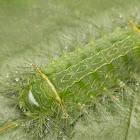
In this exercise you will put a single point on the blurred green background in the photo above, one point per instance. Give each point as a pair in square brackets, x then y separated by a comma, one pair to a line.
[27, 23]
[37, 26]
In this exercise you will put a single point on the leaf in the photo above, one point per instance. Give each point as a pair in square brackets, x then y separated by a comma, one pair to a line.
[28, 27]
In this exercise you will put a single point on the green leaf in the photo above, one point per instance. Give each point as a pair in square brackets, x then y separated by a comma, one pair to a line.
[31, 27]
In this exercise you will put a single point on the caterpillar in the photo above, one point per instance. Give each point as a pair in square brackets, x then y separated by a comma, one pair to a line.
[54, 97]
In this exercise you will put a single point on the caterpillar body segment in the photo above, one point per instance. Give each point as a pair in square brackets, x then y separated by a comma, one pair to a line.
[78, 86]
[57, 94]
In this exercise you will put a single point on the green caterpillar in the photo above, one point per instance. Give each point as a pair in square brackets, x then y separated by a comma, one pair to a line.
[54, 98]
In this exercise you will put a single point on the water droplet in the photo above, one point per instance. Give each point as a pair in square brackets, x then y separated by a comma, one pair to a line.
[137, 84]
[79, 104]
[17, 79]
[122, 84]
[17, 124]
[91, 96]
[66, 47]
[83, 105]
[120, 16]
